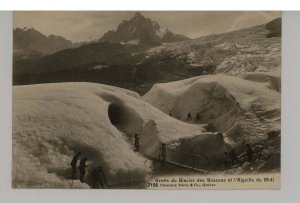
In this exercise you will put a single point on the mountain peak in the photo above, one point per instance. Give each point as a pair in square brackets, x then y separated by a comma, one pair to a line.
[27, 28]
[138, 17]
[140, 30]
[138, 14]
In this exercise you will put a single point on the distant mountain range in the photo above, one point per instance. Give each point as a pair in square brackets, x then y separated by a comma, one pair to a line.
[112, 60]
[29, 39]
[89, 55]
[138, 32]
[141, 31]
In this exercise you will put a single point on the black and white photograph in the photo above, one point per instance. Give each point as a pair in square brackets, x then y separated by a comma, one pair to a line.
[146, 100]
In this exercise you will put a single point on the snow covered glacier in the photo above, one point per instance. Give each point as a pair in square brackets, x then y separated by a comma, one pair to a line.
[245, 108]
[53, 121]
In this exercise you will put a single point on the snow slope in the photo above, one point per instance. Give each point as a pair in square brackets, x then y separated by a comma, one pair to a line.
[53, 121]
[242, 108]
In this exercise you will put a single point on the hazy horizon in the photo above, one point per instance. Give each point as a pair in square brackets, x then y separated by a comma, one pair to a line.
[79, 26]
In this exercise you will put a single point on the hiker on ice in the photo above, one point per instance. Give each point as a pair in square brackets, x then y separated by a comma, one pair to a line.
[136, 142]
[249, 153]
[226, 161]
[170, 113]
[82, 167]
[189, 116]
[163, 154]
[233, 157]
[74, 163]
[198, 117]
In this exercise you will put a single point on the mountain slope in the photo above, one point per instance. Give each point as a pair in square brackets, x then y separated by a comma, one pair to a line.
[249, 50]
[142, 31]
[86, 56]
[274, 27]
[233, 53]
[29, 39]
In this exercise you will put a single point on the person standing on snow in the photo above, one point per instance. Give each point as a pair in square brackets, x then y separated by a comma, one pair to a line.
[136, 142]
[163, 154]
[233, 157]
[198, 117]
[249, 153]
[226, 161]
[74, 163]
[170, 113]
[189, 116]
[82, 167]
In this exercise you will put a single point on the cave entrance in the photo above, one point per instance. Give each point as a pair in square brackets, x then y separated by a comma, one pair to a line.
[125, 119]
[116, 114]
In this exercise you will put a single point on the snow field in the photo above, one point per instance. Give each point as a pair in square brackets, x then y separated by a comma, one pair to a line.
[242, 109]
[51, 122]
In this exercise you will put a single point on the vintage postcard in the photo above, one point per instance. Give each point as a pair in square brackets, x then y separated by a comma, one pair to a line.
[147, 100]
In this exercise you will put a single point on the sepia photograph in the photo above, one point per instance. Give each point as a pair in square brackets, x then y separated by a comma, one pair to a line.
[146, 100]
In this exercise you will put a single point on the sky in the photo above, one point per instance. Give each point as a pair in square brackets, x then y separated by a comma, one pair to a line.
[79, 26]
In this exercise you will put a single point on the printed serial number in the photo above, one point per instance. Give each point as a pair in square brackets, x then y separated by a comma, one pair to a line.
[152, 184]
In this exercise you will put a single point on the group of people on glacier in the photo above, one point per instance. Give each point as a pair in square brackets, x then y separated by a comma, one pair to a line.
[97, 174]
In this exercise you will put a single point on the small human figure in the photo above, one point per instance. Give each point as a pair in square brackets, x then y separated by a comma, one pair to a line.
[249, 153]
[74, 164]
[99, 177]
[226, 160]
[170, 113]
[82, 167]
[233, 157]
[136, 142]
[163, 154]
[189, 116]
[198, 116]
